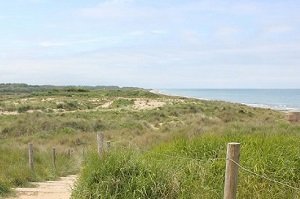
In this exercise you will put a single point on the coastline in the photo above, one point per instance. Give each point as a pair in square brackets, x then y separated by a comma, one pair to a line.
[263, 106]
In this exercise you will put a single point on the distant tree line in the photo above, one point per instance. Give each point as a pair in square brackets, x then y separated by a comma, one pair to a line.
[25, 88]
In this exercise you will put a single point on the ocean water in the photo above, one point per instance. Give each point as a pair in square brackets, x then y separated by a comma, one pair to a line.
[279, 99]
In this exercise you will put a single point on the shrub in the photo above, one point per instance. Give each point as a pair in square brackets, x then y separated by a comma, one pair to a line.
[23, 109]
[119, 103]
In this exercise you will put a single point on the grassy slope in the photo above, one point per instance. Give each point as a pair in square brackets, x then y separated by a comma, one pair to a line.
[68, 118]
[182, 168]
[65, 118]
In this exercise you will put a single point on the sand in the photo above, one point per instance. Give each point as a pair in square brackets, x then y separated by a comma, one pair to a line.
[60, 189]
[141, 104]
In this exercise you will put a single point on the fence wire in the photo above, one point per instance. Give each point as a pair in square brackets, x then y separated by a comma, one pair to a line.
[263, 176]
[239, 165]
[188, 158]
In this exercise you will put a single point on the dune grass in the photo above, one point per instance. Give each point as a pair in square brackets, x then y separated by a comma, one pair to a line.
[15, 171]
[194, 168]
[61, 117]
[68, 118]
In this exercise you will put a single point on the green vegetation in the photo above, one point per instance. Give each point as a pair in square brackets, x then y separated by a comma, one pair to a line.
[119, 103]
[163, 147]
[61, 117]
[193, 168]
[15, 172]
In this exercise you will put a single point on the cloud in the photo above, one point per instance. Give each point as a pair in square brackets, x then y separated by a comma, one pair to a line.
[159, 32]
[227, 31]
[102, 40]
[147, 33]
[137, 33]
[114, 9]
[3, 17]
[47, 44]
[32, 1]
[278, 29]
[153, 43]
[227, 34]
[167, 67]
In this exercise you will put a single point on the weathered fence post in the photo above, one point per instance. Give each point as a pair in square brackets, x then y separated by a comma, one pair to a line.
[100, 141]
[231, 175]
[69, 153]
[54, 157]
[108, 143]
[30, 155]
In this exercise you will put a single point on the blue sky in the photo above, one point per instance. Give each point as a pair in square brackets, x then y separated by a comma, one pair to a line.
[152, 44]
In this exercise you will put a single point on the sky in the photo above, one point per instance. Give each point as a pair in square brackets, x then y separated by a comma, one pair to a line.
[151, 44]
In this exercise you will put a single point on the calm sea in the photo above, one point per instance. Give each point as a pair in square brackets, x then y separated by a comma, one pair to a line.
[279, 99]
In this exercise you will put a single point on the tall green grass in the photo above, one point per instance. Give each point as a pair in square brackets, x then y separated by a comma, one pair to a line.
[121, 175]
[194, 168]
[15, 171]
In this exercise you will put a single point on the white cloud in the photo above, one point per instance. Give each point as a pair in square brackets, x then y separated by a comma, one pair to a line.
[224, 67]
[115, 9]
[2, 17]
[165, 43]
[278, 29]
[142, 32]
[103, 40]
[137, 33]
[32, 1]
[47, 44]
[227, 31]
[191, 37]
[159, 32]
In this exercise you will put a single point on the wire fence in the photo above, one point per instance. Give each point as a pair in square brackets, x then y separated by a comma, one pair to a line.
[263, 176]
[239, 165]
[229, 190]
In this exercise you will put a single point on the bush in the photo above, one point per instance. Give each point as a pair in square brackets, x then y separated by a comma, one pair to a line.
[23, 109]
[119, 103]
[69, 105]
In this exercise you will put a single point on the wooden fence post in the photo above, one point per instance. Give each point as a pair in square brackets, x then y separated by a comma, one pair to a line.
[54, 157]
[231, 175]
[69, 153]
[100, 141]
[30, 155]
[108, 143]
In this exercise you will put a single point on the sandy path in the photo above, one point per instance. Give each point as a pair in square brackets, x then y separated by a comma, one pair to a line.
[60, 189]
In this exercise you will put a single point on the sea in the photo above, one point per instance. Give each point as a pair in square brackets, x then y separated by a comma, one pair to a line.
[278, 99]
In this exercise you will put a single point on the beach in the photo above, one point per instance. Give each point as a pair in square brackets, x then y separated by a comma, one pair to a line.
[285, 100]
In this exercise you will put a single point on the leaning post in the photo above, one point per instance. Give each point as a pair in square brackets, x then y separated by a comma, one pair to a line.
[231, 174]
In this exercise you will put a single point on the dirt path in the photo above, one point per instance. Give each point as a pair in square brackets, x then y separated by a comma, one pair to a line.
[60, 189]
